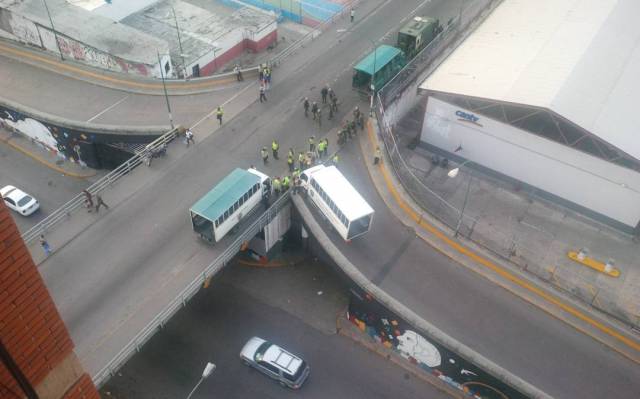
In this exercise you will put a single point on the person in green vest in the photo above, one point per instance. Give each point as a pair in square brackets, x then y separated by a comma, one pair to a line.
[335, 159]
[274, 148]
[277, 186]
[321, 148]
[286, 181]
[219, 113]
[290, 162]
[301, 159]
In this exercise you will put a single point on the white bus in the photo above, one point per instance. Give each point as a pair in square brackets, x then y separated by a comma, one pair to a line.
[227, 203]
[338, 201]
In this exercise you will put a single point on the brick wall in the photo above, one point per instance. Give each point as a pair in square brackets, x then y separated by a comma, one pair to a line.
[30, 327]
[82, 389]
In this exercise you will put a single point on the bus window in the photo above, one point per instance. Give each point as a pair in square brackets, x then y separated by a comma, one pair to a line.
[241, 201]
[216, 223]
[226, 215]
[245, 196]
[359, 226]
[235, 206]
[220, 219]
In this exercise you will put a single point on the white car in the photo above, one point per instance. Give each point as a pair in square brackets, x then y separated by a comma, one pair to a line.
[286, 368]
[19, 201]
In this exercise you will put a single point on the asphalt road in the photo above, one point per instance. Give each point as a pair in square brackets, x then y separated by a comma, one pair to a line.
[112, 278]
[220, 319]
[509, 331]
[105, 281]
[49, 187]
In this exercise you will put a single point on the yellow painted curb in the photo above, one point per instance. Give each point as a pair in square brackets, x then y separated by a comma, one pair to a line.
[593, 264]
[47, 163]
[499, 270]
[123, 82]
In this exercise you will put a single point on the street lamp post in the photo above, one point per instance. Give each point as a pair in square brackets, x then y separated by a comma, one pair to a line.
[55, 35]
[164, 86]
[184, 64]
[452, 174]
[208, 369]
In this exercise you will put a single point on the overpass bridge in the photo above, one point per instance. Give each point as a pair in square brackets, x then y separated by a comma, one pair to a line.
[114, 275]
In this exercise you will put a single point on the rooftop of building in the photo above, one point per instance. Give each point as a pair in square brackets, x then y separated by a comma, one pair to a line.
[95, 30]
[578, 58]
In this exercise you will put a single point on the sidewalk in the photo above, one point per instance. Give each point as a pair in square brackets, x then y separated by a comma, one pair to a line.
[531, 233]
[522, 282]
[46, 157]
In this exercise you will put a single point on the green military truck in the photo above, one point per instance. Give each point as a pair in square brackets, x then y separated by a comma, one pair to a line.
[415, 35]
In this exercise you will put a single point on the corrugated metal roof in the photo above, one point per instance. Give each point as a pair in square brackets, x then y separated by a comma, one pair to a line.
[381, 57]
[225, 194]
[578, 58]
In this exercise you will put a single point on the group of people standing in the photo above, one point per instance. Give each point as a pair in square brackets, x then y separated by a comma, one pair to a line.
[264, 75]
[329, 99]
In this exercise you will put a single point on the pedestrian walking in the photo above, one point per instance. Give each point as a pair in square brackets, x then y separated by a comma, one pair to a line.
[334, 103]
[305, 104]
[330, 112]
[265, 155]
[99, 203]
[319, 113]
[377, 156]
[260, 73]
[274, 148]
[296, 184]
[290, 162]
[238, 72]
[219, 113]
[325, 149]
[45, 245]
[331, 93]
[353, 15]
[189, 137]
[324, 92]
[88, 200]
[312, 143]
[314, 110]
[263, 97]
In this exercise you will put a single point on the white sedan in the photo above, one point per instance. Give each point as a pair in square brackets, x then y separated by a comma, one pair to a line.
[19, 201]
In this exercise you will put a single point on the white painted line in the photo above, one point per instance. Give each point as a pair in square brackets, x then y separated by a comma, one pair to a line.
[223, 104]
[110, 107]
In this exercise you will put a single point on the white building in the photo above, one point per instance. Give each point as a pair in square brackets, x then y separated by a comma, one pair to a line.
[543, 93]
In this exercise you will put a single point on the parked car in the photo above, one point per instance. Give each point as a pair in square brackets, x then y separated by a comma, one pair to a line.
[286, 368]
[19, 201]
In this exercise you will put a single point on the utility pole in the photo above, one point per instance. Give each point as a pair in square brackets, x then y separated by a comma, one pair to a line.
[184, 64]
[55, 35]
[164, 86]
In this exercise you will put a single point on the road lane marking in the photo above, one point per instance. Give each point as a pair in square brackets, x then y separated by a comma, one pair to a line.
[109, 108]
[223, 104]
[506, 274]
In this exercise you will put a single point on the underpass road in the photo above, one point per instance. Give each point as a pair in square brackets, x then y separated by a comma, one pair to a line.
[220, 319]
[509, 331]
[114, 277]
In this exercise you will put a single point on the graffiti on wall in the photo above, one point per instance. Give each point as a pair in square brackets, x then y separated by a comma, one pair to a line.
[41, 36]
[389, 330]
[68, 144]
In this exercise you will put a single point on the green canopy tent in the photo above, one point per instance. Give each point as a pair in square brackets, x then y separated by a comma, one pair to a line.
[383, 63]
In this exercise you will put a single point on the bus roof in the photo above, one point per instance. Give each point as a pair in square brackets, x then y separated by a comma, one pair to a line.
[225, 194]
[350, 202]
[381, 57]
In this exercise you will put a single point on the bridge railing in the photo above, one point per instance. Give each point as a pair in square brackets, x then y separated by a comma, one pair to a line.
[64, 212]
[183, 297]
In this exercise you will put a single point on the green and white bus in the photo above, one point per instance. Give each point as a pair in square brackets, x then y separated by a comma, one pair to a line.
[222, 208]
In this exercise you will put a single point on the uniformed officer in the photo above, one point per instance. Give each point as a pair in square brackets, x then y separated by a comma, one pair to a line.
[274, 148]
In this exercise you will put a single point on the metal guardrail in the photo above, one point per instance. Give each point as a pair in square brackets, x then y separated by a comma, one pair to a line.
[275, 61]
[64, 212]
[180, 301]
